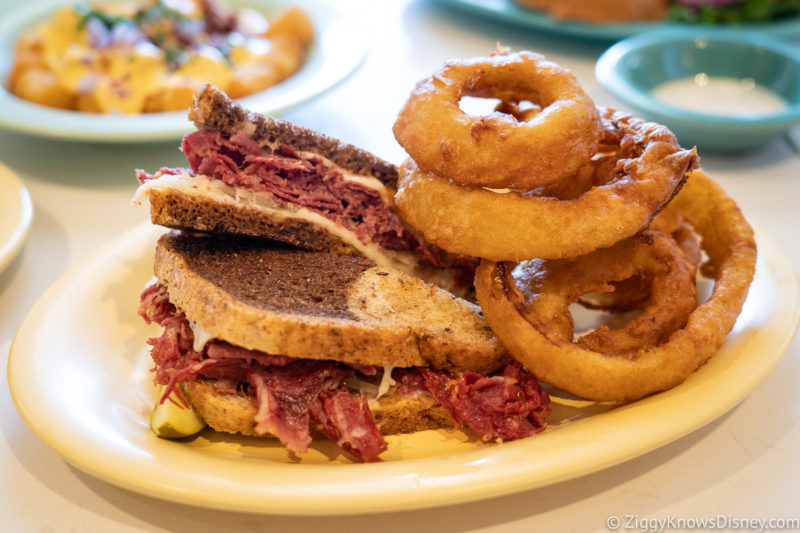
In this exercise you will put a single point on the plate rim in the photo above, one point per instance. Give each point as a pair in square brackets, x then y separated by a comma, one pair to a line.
[10, 248]
[341, 33]
[508, 11]
[472, 474]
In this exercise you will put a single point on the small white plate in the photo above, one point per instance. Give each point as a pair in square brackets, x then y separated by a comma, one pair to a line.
[79, 375]
[16, 213]
[338, 49]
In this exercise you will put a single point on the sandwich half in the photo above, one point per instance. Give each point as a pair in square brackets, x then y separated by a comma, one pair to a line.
[268, 340]
[254, 175]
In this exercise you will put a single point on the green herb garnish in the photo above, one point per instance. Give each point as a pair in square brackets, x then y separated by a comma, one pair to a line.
[87, 13]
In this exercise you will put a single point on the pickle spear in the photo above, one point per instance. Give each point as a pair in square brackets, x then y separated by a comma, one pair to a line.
[171, 420]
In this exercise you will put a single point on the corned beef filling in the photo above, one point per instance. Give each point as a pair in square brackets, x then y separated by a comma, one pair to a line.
[505, 406]
[290, 393]
[302, 182]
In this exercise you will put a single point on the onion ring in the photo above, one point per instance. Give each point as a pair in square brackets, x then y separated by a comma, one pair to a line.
[649, 167]
[498, 150]
[670, 293]
[634, 292]
[729, 243]
[514, 109]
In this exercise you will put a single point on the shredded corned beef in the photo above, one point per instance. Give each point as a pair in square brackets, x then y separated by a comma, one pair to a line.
[143, 176]
[216, 349]
[346, 419]
[510, 405]
[154, 304]
[289, 393]
[285, 395]
[309, 183]
[304, 182]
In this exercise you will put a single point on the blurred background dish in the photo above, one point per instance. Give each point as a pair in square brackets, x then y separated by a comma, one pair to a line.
[338, 49]
[512, 13]
[147, 56]
[719, 89]
[16, 213]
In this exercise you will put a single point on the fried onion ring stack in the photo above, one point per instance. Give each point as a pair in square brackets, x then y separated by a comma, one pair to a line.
[588, 370]
[495, 150]
[639, 170]
[566, 203]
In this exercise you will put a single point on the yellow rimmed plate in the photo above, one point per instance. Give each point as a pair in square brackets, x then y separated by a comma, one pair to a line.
[78, 374]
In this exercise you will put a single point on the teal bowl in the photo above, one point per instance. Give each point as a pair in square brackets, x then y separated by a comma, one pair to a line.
[633, 69]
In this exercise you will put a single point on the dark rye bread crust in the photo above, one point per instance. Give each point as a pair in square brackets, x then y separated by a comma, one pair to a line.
[277, 279]
[174, 209]
[261, 296]
[213, 110]
[394, 413]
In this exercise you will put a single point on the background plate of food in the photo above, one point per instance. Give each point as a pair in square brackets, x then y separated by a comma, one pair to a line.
[16, 214]
[79, 374]
[594, 20]
[126, 71]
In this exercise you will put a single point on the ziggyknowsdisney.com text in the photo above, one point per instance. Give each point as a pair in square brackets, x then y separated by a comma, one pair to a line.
[718, 522]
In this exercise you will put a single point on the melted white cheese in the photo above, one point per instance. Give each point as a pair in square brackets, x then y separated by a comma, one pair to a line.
[386, 381]
[366, 181]
[370, 390]
[201, 336]
[205, 187]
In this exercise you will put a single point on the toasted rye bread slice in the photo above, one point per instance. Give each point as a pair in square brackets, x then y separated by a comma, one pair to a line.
[213, 110]
[204, 207]
[199, 204]
[185, 202]
[316, 305]
[393, 413]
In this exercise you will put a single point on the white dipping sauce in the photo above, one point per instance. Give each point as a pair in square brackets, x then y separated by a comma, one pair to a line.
[720, 96]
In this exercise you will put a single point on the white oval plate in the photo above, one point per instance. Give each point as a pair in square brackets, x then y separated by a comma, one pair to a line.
[78, 373]
[339, 48]
[16, 213]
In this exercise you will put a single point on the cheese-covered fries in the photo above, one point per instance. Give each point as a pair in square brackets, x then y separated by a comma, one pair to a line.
[130, 58]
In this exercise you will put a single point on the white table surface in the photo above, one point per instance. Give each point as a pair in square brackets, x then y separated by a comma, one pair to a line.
[745, 465]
